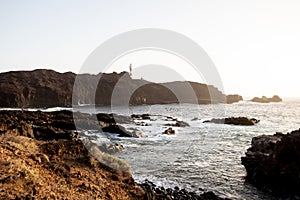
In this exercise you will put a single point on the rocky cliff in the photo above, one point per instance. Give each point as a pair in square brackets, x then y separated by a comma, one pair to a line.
[47, 88]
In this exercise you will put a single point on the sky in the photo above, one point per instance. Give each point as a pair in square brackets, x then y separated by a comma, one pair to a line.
[254, 44]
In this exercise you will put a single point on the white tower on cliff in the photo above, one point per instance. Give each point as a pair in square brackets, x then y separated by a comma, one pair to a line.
[130, 70]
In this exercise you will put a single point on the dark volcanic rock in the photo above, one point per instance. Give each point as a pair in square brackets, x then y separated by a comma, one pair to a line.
[233, 98]
[169, 131]
[178, 123]
[264, 99]
[273, 162]
[38, 88]
[234, 121]
[47, 88]
[60, 124]
[118, 129]
[141, 116]
[160, 193]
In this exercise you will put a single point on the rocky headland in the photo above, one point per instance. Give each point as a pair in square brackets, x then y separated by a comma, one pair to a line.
[273, 163]
[233, 98]
[42, 157]
[265, 99]
[47, 88]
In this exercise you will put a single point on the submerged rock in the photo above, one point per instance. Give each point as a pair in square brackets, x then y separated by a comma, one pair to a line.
[273, 162]
[234, 121]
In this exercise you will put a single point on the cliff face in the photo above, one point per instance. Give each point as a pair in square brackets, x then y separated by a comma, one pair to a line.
[38, 88]
[47, 88]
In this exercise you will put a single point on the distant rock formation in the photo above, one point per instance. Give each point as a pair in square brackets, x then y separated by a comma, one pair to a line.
[273, 162]
[264, 99]
[47, 88]
[244, 121]
[233, 98]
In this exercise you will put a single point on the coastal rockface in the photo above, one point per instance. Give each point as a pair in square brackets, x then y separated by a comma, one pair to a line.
[273, 162]
[47, 88]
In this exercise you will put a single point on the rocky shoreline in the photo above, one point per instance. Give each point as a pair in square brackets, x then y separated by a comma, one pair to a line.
[273, 163]
[42, 157]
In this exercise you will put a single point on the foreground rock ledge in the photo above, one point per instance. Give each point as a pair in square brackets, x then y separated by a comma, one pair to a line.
[42, 158]
[273, 162]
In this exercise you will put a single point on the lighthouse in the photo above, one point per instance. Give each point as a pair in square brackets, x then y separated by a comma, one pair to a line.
[130, 70]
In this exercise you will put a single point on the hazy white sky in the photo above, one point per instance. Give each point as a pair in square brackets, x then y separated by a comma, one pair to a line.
[255, 44]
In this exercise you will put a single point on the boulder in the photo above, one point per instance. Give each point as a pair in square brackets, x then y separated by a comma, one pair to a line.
[118, 129]
[273, 162]
[244, 121]
[169, 131]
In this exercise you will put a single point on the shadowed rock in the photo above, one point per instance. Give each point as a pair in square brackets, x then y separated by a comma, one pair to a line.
[244, 121]
[169, 131]
[273, 162]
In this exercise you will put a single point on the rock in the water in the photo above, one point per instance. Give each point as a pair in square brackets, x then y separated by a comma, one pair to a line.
[264, 99]
[141, 117]
[244, 121]
[233, 98]
[178, 123]
[118, 129]
[273, 162]
[170, 131]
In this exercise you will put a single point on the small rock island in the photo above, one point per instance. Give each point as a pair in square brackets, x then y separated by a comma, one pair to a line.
[265, 99]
